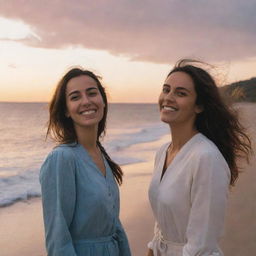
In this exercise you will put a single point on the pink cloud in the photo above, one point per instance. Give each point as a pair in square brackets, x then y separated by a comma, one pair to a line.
[157, 31]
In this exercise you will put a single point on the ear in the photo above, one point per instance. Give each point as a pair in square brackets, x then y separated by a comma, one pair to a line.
[199, 109]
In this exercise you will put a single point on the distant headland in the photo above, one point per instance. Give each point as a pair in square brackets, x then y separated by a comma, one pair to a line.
[240, 91]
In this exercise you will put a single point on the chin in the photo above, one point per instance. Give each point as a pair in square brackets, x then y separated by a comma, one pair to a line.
[165, 120]
[91, 123]
[88, 123]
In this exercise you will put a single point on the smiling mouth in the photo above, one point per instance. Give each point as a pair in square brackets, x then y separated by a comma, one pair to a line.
[88, 112]
[169, 108]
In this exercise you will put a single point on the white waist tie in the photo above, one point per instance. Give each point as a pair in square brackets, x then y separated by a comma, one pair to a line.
[164, 247]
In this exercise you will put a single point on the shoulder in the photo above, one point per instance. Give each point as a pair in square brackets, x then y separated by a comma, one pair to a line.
[205, 148]
[60, 160]
[208, 157]
[63, 154]
[65, 151]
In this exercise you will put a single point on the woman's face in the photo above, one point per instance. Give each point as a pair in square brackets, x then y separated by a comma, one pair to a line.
[177, 100]
[85, 105]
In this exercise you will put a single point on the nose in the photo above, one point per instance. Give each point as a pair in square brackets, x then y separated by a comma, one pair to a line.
[85, 100]
[170, 96]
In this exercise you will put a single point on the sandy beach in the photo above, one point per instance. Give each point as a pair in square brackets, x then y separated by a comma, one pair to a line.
[21, 225]
[240, 234]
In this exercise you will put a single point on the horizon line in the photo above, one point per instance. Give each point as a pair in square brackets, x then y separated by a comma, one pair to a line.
[46, 102]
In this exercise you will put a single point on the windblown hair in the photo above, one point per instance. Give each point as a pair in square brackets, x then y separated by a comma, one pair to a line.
[61, 128]
[217, 121]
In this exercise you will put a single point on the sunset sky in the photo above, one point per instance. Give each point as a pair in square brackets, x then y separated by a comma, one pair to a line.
[131, 44]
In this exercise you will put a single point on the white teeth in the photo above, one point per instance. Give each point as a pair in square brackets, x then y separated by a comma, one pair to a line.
[88, 112]
[169, 108]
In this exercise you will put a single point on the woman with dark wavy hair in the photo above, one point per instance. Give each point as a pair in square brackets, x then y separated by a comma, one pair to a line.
[80, 194]
[192, 174]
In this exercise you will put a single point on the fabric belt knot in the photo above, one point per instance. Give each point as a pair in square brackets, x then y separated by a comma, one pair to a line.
[115, 236]
[164, 244]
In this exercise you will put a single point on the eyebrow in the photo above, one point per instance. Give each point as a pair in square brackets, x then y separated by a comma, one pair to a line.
[87, 90]
[177, 88]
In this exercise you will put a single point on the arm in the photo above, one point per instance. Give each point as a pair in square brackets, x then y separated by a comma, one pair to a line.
[209, 194]
[122, 240]
[57, 177]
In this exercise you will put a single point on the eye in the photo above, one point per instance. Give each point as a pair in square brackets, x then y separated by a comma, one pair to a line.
[181, 94]
[92, 93]
[74, 97]
[166, 90]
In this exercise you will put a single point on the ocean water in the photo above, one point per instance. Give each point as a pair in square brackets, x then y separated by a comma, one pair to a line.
[24, 147]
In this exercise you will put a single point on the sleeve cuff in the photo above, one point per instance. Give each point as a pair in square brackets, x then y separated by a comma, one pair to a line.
[150, 245]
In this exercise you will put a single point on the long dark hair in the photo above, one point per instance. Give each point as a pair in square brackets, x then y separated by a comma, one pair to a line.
[61, 128]
[217, 121]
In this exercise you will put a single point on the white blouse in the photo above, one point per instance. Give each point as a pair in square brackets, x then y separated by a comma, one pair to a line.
[189, 202]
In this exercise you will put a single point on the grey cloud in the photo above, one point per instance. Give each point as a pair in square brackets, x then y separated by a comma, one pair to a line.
[157, 31]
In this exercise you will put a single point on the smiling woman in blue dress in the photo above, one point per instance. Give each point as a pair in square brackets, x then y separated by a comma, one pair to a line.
[80, 195]
[192, 174]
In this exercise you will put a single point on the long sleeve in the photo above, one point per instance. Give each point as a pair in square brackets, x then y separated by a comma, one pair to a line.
[209, 193]
[124, 249]
[159, 154]
[57, 177]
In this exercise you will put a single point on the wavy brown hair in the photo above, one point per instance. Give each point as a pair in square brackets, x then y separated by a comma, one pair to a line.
[217, 121]
[61, 128]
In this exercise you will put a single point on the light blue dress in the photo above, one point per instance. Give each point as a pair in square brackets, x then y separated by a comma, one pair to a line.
[80, 206]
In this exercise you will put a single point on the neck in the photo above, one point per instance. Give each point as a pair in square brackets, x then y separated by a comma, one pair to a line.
[87, 137]
[180, 135]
